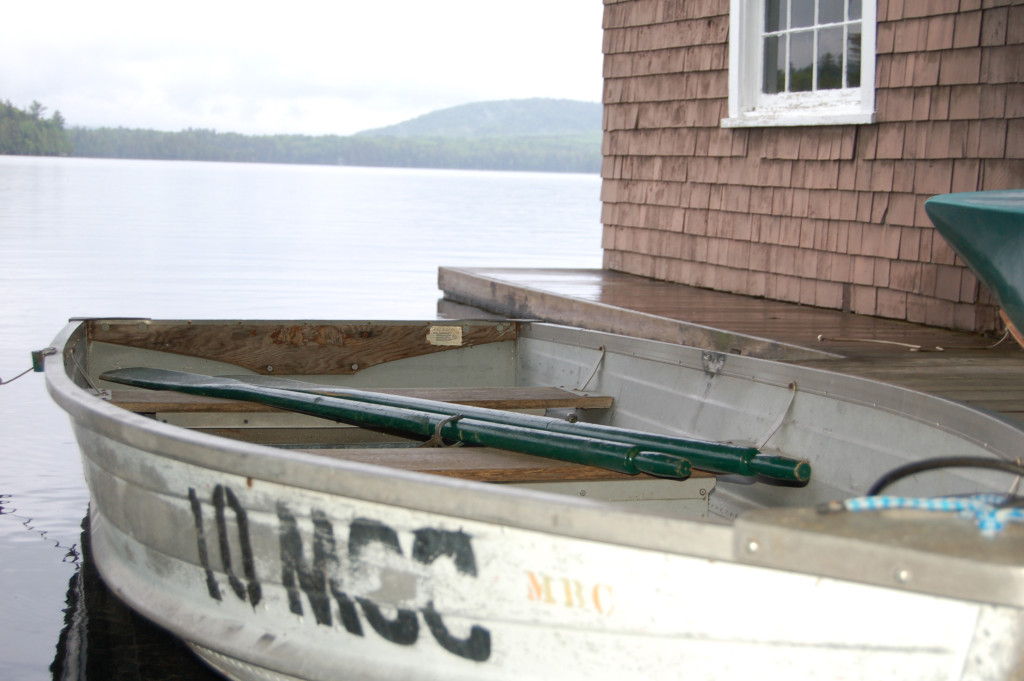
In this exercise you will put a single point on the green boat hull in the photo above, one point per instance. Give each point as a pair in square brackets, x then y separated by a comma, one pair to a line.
[986, 229]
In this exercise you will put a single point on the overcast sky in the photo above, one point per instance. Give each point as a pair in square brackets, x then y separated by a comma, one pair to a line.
[325, 67]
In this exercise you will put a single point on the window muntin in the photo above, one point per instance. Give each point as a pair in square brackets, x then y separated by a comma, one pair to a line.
[799, 62]
[811, 45]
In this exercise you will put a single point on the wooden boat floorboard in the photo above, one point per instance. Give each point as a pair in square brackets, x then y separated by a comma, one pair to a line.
[483, 464]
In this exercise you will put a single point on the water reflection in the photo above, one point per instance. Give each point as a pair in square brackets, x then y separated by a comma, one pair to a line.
[103, 640]
[801, 57]
[830, 58]
[6, 509]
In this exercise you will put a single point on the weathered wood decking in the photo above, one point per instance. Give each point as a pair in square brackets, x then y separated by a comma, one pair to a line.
[967, 369]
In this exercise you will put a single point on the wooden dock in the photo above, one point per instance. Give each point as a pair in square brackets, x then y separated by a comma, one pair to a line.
[978, 370]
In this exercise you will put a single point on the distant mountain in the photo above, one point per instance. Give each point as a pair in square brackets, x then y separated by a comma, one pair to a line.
[508, 118]
[551, 135]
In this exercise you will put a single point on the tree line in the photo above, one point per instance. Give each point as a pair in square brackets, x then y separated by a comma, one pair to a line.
[553, 153]
[29, 132]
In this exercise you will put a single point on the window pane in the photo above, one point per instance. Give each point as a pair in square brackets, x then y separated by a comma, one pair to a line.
[774, 78]
[801, 60]
[830, 58]
[774, 15]
[830, 11]
[803, 13]
[853, 59]
[854, 9]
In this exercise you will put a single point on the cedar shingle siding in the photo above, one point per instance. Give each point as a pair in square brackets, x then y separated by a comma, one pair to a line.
[826, 216]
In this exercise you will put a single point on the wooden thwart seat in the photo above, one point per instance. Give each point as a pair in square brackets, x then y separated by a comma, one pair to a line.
[153, 401]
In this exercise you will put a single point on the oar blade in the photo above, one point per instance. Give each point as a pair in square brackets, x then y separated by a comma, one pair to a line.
[165, 379]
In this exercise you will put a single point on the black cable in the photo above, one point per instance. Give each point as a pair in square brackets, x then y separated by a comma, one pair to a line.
[944, 462]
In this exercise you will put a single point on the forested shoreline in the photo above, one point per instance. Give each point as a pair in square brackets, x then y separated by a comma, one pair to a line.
[552, 153]
[30, 132]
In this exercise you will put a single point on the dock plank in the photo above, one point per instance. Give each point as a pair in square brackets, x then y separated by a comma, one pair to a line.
[969, 368]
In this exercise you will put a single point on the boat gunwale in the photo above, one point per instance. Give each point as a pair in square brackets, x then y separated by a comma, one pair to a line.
[525, 509]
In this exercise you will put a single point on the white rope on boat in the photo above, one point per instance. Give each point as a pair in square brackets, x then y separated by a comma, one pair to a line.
[37, 363]
[779, 421]
[593, 371]
[85, 376]
[12, 380]
[912, 347]
[1016, 481]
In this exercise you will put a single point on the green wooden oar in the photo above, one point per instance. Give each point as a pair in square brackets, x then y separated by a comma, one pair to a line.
[711, 456]
[615, 456]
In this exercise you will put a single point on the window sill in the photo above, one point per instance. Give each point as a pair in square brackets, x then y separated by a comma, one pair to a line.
[774, 119]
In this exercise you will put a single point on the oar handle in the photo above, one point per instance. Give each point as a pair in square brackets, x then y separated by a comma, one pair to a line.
[780, 468]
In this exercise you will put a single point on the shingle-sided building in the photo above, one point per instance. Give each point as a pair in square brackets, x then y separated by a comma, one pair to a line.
[785, 148]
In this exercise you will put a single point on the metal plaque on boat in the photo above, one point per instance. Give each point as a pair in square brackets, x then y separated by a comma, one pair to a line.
[445, 335]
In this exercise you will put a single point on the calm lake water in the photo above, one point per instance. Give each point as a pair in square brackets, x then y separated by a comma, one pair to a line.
[82, 237]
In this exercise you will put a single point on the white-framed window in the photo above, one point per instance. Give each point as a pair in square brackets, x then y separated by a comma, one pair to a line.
[801, 62]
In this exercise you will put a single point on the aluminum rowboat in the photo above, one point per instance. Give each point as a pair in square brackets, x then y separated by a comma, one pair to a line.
[280, 545]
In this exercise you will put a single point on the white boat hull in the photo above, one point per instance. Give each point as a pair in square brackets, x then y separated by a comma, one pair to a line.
[400, 593]
[320, 569]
